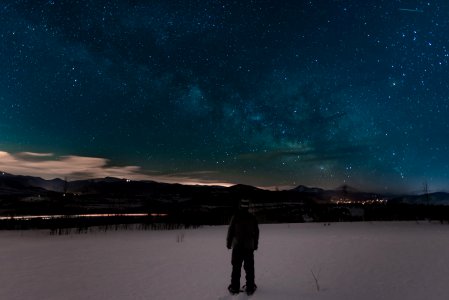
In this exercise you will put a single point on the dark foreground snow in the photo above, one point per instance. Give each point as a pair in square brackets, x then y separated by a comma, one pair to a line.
[350, 260]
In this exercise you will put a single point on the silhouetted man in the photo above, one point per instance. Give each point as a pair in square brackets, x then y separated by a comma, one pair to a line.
[243, 238]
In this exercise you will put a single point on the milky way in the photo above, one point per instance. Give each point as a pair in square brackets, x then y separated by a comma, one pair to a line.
[267, 93]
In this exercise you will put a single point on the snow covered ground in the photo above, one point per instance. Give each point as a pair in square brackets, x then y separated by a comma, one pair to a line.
[400, 260]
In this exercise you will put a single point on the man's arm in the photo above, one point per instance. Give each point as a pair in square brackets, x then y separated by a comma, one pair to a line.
[230, 236]
[256, 234]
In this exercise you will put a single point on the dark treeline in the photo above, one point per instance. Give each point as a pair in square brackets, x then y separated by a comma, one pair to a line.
[67, 225]
[177, 217]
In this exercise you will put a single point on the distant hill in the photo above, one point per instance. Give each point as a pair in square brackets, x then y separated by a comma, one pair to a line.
[14, 184]
[17, 184]
[196, 204]
[25, 194]
[28, 193]
[439, 198]
[343, 193]
[305, 189]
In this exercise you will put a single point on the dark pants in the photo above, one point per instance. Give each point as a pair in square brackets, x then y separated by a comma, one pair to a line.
[246, 257]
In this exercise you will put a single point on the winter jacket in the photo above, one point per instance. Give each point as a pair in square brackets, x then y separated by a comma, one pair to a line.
[243, 231]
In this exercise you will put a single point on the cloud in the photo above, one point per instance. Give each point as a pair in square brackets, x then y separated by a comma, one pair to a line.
[35, 154]
[64, 166]
[75, 167]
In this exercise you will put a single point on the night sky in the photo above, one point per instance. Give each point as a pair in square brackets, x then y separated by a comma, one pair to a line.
[268, 93]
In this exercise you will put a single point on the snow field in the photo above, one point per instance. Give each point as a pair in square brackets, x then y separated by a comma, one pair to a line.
[391, 260]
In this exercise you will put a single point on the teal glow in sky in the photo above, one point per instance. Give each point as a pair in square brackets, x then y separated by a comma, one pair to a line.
[267, 93]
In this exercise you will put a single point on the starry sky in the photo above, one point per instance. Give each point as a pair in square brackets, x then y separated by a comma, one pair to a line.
[264, 92]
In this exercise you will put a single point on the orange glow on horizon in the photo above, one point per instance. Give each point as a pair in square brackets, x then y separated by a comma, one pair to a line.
[48, 217]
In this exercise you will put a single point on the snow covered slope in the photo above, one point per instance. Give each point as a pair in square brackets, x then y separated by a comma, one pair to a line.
[350, 260]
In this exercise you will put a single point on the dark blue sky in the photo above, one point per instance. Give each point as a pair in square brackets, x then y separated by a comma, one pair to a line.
[268, 93]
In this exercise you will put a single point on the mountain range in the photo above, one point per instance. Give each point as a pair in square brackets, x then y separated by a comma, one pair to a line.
[123, 194]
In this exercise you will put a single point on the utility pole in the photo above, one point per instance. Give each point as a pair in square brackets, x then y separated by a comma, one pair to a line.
[66, 185]
[426, 192]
